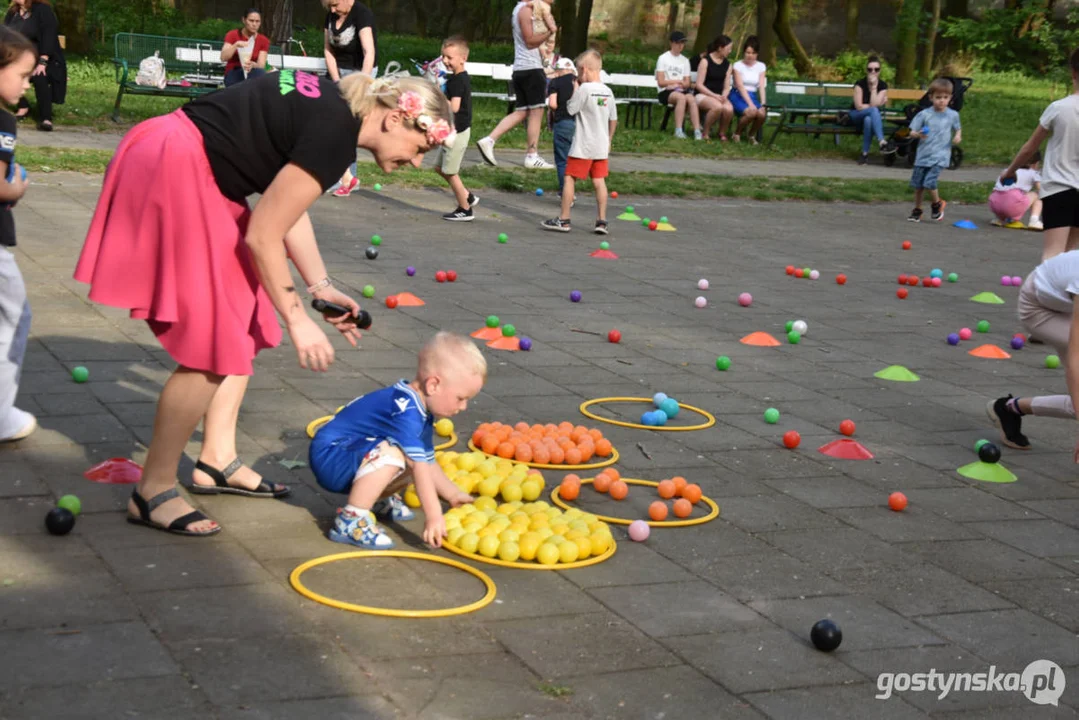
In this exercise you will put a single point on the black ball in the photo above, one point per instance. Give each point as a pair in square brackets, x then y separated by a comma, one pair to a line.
[59, 521]
[372, 253]
[989, 453]
[826, 635]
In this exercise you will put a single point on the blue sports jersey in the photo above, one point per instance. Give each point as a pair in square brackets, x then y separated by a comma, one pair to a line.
[394, 414]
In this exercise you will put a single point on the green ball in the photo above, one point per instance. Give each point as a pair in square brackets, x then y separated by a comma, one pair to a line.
[723, 362]
[80, 374]
[503, 238]
[806, 272]
[368, 291]
[953, 277]
[978, 445]
[983, 326]
[1052, 362]
[771, 416]
[789, 326]
[378, 186]
[376, 240]
[629, 208]
[645, 221]
[70, 503]
[604, 245]
[508, 331]
[794, 337]
[663, 219]
[492, 321]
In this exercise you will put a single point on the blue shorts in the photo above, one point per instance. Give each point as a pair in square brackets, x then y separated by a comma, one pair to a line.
[740, 104]
[925, 178]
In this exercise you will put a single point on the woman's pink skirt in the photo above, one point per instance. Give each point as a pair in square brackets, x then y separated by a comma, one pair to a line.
[1010, 204]
[167, 245]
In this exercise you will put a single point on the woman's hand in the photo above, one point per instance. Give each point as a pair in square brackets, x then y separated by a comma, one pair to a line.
[312, 345]
[345, 324]
[39, 69]
[247, 65]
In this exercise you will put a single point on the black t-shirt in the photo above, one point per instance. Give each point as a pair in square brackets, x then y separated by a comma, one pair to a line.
[253, 129]
[460, 85]
[716, 77]
[561, 86]
[345, 41]
[8, 126]
[881, 85]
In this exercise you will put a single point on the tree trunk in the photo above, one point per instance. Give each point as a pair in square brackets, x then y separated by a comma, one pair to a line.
[71, 16]
[853, 8]
[906, 41]
[420, 6]
[786, 35]
[930, 40]
[566, 19]
[277, 20]
[673, 7]
[766, 35]
[449, 19]
[713, 22]
[580, 29]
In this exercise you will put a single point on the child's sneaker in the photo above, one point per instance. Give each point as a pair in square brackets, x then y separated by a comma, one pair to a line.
[1035, 224]
[601, 228]
[359, 529]
[938, 210]
[863, 159]
[556, 224]
[915, 215]
[343, 191]
[459, 215]
[473, 200]
[1009, 422]
[393, 508]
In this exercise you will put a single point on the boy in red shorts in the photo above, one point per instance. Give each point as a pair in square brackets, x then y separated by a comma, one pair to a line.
[593, 105]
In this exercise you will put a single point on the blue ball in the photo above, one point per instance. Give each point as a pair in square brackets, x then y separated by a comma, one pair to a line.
[660, 417]
[936, 272]
[658, 399]
[670, 407]
[648, 418]
[539, 191]
[953, 339]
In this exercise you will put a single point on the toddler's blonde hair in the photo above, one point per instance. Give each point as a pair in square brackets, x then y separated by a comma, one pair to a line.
[448, 353]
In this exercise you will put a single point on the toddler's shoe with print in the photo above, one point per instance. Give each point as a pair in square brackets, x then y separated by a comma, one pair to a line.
[393, 508]
[361, 530]
[938, 210]
[915, 215]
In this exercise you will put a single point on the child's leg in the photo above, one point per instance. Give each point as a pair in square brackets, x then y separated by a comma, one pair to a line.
[934, 196]
[694, 112]
[679, 101]
[459, 190]
[601, 196]
[381, 474]
[918, 193]
[567, 196]
[1035, 207]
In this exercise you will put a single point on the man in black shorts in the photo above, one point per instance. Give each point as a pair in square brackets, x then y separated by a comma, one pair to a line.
[529, 87]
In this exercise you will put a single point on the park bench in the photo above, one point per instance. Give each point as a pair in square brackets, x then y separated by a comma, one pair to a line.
[814, 108]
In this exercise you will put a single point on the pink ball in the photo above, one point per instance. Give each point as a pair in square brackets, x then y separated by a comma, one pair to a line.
[702, 284]
[965, 334]
[1005, 280]
[745, 299]
[700, 302]
[639, 531]
[814, 274]
[1017, 281]
[936, 282]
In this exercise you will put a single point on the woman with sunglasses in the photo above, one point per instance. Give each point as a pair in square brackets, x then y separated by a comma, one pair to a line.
[870, 95]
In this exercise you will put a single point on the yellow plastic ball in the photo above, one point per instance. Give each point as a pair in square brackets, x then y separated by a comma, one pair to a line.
[483, 504]
[548, 554]
[444, 427]
[599, 542]
[455, 534]
[411, 498]
[530, 490]
[488, 546]
[584, 548]
[488, 487]
[469, 542]
[509, 551]
[567, 552]
[528, 545]
[512, 493]
[509, 535]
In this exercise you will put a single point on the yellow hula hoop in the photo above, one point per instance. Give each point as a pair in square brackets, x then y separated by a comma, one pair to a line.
[556, 498]
[530, 565]
[294, 580]
[450, 442]
[710, 419]
[547, 466]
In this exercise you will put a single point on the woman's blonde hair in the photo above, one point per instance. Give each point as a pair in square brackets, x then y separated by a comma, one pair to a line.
[364, 94]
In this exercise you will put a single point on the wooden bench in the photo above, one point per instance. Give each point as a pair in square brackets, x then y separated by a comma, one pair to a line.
[816, 109]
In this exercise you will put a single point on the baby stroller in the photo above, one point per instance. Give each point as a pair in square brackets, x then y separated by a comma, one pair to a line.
[906, 146]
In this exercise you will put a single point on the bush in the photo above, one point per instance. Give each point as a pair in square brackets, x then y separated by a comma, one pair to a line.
[1020, 38]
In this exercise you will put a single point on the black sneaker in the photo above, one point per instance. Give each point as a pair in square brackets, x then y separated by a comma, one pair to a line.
[938, 210]
[459, 215]
[556, 224]
[1010, 423]
[888, 148]
[601, 228]
[915, 215]
[473, 201]
[864, 159]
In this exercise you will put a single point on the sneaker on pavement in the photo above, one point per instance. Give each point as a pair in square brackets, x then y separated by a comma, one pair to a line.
[473, 200]
[361, 530]
[459, 215]
[487, 151]
[601, 228]
[1009, 423]
[535, 162]
[26, 423]
[888, 148]
[556, 225]
[938, 210]
[393, 508]
[915, 215]
[343, 191]
[1035, 225]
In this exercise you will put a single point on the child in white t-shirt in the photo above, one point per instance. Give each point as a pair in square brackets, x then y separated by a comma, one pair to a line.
[1011, 199]
[597, 115]
[674, 80]
[1060, 169]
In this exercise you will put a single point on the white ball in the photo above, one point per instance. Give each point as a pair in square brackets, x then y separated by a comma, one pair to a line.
[814, 274]
[702, 284]
[800, 327]
[700, 302]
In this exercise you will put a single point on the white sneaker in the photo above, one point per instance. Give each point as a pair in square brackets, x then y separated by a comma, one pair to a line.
[487, 151]
[697, 135]
[27, 424]
[535, 162]
[1035, 225]
[679, 133]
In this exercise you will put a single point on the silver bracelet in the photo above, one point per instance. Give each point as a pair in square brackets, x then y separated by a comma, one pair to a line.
[320, 285]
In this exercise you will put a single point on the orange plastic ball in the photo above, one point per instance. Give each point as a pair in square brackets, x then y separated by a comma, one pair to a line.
[897, 501]
[569, 489]
[573, 456]
[603, 447]
[619, 490]
[615, 475]
[679, 484]
[541, 455]
[558, 455]
[692, 493]
[602, 483]
[507, 450]
[658, 510]
[489, 444]
[523, 453]
[666, 489]
[682, 508]
[573, 477]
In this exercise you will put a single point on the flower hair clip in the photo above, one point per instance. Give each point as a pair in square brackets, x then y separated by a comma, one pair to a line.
[438, 131]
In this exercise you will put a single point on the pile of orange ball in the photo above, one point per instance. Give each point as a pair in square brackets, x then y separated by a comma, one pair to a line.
[688, 495]
[548, 444]
[609, 481]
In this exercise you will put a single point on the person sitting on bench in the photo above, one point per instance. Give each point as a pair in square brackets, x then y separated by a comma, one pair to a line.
[245, 51]
[673, 79]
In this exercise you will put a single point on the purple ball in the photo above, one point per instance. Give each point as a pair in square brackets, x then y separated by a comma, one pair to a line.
[575, 296]
[1005, 280]
[526, 343]
[1017, 343]
[953, 339]
[1017, 281]
[410, 271]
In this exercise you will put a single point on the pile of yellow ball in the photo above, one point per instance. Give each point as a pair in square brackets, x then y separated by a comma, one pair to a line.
[534, 531]
[478, 474]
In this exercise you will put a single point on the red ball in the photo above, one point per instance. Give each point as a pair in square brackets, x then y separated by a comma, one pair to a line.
[927, 282]
[790, 269]
[653, 225]
[901, 293]
[451, 275]
[791, 439]
[614, 336]
[841, 279]
[897, 501]
[391, 302]
[440, 276]
[912, 281]
[798, 272]
[614, 194]
[906, 245]
[847, 427]
[903, 279]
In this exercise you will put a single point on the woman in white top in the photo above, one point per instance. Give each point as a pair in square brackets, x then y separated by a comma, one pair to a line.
[748, 97]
